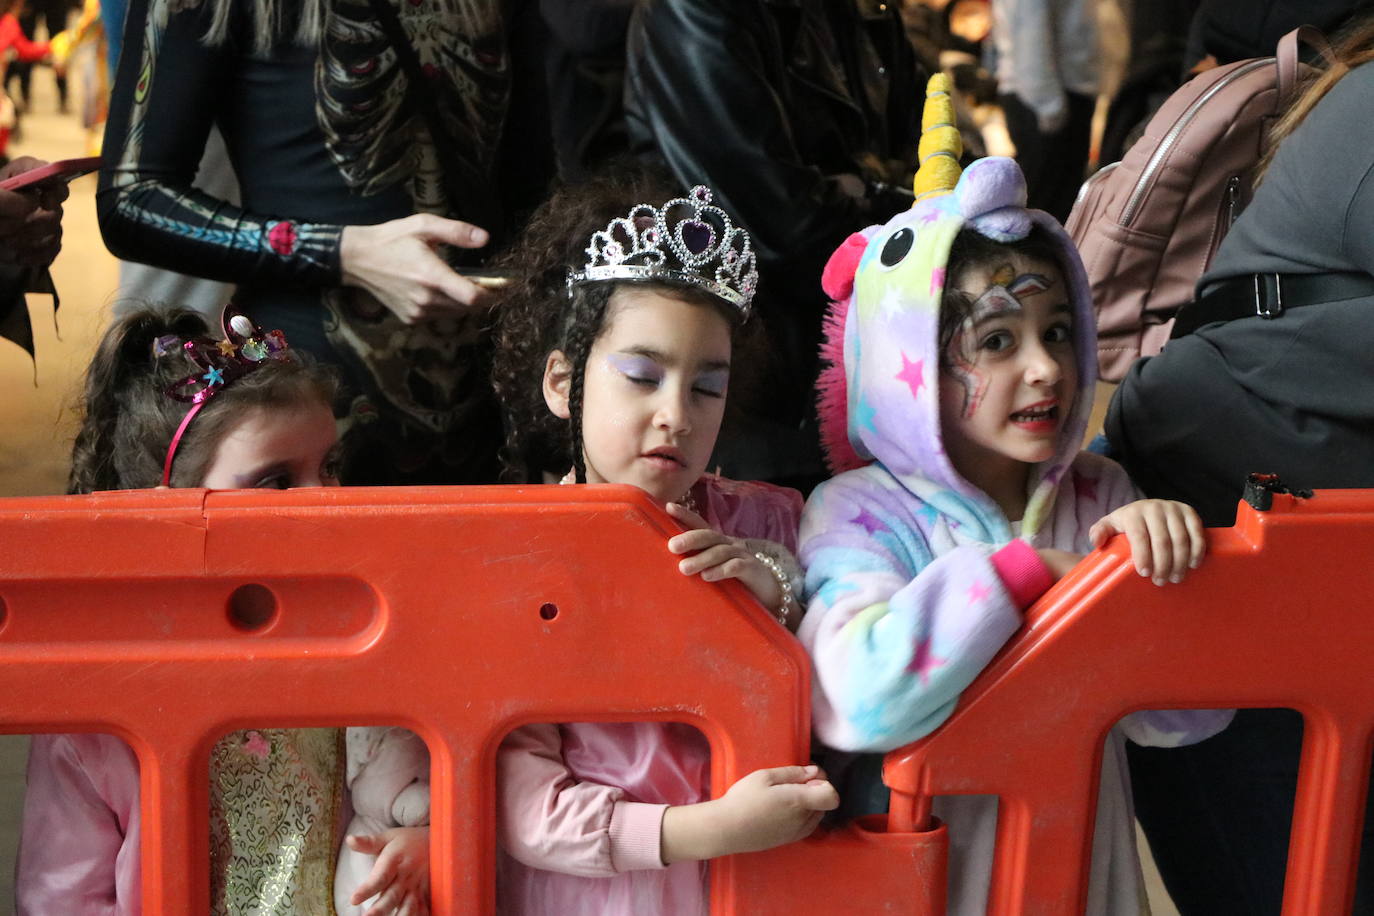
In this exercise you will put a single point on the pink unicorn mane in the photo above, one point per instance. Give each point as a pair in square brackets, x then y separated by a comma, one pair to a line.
[832, 394]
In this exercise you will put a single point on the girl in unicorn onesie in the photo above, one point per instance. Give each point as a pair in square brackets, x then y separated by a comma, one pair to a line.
[962, 348]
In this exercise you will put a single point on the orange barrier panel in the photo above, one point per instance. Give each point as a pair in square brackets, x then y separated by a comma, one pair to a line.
[171, 617]
[1276, 617]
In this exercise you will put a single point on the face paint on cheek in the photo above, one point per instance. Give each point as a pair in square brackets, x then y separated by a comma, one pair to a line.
[966, 373]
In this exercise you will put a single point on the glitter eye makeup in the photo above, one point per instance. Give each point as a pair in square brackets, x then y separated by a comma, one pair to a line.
[635, 368]
[713, 383]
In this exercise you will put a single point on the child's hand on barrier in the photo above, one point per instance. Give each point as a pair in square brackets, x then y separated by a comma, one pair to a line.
[716, 557]
[1166, 537]
[767, 808]
[771, 807]
[400, 875]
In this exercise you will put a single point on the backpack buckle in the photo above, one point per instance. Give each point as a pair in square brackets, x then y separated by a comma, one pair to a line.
[1268, 295]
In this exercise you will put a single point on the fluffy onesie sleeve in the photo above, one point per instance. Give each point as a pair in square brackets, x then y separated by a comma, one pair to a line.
[550, 820]
[896, 633]
[79, 843]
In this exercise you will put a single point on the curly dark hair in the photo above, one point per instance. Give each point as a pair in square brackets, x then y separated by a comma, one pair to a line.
[128, 420]
[536, 314]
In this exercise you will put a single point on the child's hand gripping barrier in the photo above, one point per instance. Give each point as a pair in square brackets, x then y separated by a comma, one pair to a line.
[171, 617]
[1273, 618]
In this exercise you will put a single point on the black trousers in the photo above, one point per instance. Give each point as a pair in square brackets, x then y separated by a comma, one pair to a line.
[1055, 163]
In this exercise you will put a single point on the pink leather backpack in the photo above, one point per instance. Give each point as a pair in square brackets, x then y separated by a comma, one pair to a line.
[1149, 225]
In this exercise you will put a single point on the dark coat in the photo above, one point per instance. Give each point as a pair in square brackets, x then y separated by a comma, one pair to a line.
[802, 115]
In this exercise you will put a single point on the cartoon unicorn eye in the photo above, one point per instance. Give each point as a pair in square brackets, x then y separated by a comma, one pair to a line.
[897, 247]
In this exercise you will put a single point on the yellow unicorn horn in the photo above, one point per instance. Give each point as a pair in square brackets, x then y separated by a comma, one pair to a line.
[941, 146]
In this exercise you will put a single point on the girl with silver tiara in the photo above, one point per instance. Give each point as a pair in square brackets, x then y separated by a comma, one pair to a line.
[613, 361]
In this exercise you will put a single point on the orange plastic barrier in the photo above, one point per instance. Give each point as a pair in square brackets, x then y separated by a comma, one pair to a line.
[1275, 617]
[171, 617]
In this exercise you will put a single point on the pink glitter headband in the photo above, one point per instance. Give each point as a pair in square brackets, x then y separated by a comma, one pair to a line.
[219, 364]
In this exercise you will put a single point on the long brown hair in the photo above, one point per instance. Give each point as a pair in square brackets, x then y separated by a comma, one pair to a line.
[129, 419]
[1351, 47]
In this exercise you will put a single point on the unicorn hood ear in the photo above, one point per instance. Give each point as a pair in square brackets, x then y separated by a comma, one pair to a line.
[879, 394]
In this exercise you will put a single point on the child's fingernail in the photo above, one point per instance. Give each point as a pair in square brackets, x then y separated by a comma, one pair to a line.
[1195, 564]
[1157, 580]
[1176, 578]
[1144, 571]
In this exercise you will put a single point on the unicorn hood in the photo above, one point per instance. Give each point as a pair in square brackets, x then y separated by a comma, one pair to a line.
[879, 397]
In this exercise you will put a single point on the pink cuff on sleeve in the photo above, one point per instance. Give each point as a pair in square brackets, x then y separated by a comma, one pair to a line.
[1023, 572]
[636, 836]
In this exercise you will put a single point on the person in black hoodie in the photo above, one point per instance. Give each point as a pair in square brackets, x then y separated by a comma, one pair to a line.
[1282, 395]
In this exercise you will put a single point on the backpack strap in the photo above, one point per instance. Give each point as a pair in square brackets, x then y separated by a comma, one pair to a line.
[1268, 296]
[1287, 57]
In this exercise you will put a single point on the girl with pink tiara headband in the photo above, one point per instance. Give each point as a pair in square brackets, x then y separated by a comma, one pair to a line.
[167, 403]
[613, 362]
[962, 364]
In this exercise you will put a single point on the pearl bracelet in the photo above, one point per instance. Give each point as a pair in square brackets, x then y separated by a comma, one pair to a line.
[784, 610]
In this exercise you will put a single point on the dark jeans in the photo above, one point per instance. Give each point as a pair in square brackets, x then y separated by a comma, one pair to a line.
[1055, 163]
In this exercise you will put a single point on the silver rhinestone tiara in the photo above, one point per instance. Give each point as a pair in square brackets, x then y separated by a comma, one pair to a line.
[687, 240]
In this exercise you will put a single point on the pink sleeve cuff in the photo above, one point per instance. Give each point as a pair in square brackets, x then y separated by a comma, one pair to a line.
[1023, 572]
[636, 836]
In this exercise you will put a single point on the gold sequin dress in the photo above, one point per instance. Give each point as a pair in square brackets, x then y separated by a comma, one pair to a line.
[274, 817]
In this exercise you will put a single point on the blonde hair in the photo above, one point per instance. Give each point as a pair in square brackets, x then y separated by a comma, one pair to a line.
[1352, 47]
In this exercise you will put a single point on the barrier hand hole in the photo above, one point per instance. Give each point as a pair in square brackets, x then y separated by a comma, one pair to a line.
[252, 608]
[548, 611]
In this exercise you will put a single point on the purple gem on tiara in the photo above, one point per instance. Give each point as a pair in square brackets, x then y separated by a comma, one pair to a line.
[651, 235]
[731, 257]
[701, 193]
[613, 251]
[697, 236]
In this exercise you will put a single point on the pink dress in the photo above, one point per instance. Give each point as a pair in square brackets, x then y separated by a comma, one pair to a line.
[580, 806]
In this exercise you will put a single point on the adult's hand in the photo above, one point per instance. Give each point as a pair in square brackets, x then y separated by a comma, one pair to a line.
[396, 262]
[31, 219]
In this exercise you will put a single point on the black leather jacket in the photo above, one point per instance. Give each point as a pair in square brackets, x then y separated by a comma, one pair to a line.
[802, 115]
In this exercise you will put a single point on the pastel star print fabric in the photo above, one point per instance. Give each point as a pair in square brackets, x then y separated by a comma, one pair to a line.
[914, 580]
[914, 577]
[908, 599]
